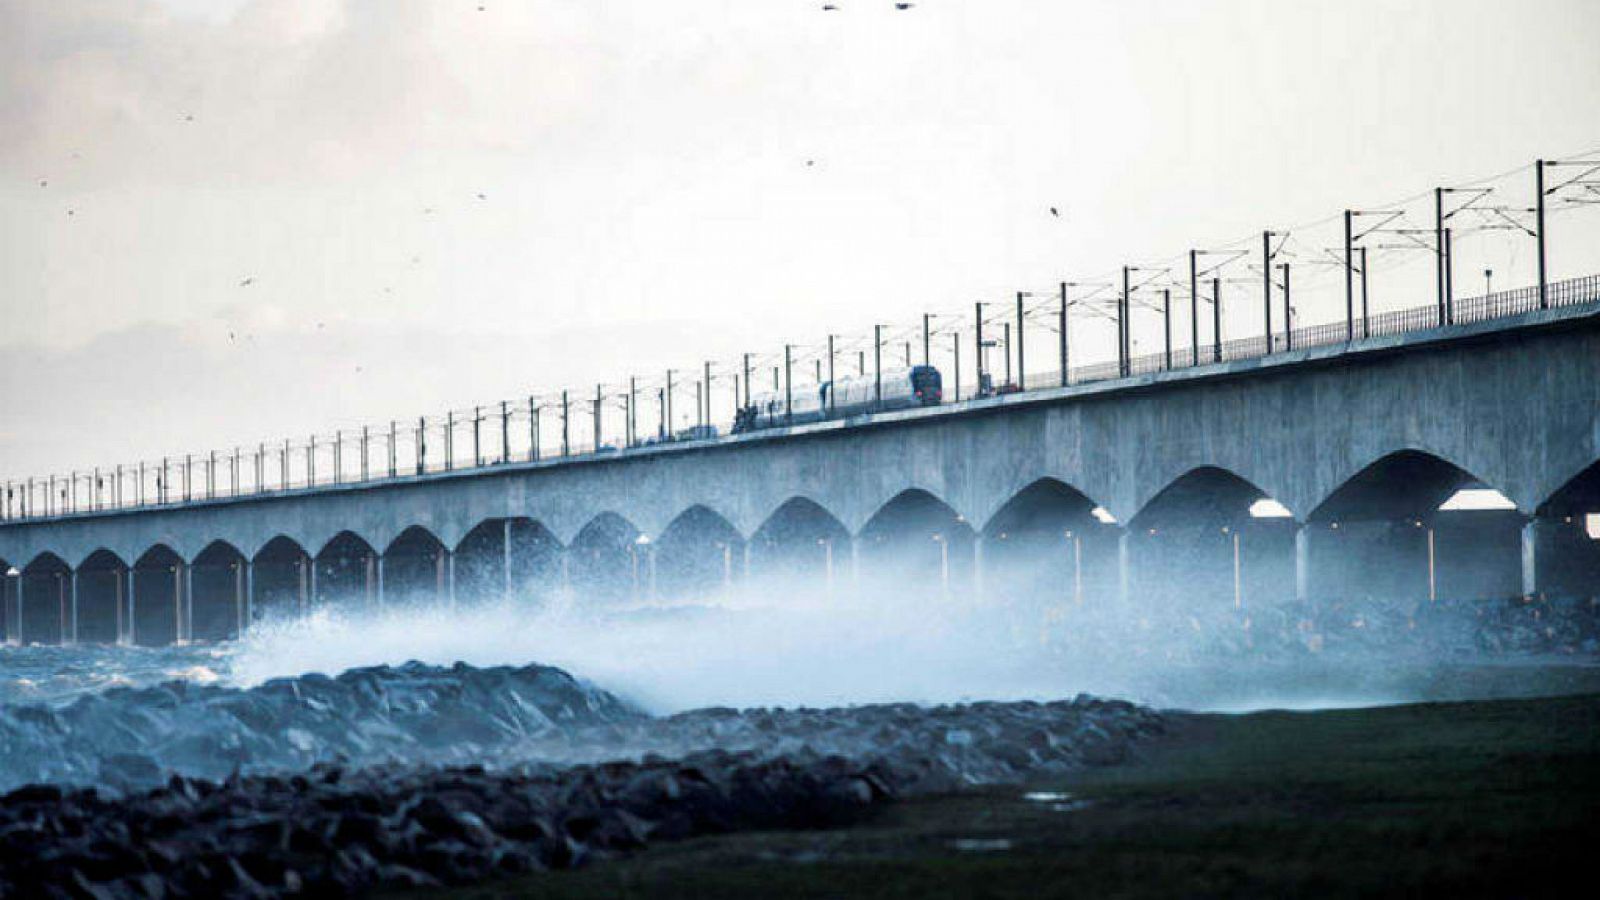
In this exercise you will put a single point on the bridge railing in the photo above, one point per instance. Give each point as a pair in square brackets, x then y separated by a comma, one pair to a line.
[289, 467]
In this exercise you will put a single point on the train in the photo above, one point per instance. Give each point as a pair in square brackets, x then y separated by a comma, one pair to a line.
[903, 388]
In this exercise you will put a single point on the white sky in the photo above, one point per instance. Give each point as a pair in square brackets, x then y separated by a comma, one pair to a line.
[646, 194]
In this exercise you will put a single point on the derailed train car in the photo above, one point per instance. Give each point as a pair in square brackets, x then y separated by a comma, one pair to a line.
[903, 388]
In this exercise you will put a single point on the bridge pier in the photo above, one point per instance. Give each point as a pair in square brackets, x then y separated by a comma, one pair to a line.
[980, 588]
[1125, 568]
[1559, 557]
[133, 605]
[1302, 564]
[247, 612]
[71, 632]
[119, 598]
[855, 561]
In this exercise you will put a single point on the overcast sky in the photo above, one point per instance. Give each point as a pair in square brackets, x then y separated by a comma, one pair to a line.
[223, 221]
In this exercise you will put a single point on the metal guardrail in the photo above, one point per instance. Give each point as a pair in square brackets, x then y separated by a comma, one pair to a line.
[270, 469]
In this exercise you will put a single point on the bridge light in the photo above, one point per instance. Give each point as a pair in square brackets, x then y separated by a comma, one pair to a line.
[12, 572]
[1103, 515]
[642, 539]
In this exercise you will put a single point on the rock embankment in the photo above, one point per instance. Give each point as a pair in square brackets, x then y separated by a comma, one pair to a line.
[133, 737]
[338, 830]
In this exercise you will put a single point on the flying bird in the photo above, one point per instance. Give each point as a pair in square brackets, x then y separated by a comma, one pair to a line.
[44, 182]
[248, 281]
[483, 197]
[1055, 212]
[904, 5]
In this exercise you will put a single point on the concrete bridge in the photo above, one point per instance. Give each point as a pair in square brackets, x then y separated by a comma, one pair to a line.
[1147, 489]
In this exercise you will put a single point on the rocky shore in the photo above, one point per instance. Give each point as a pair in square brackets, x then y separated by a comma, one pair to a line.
[340, 829]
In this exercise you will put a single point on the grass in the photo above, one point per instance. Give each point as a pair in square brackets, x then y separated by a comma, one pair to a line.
[1493, 798]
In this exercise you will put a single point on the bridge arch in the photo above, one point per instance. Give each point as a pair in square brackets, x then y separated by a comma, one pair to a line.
[216, 593]
[102, 597]
[1208, 540]
[280, 576]
[608, 560]
[43, 601]
[917, 541]
[1562, 544]
[800, 541]
[416, 569]
[697, 554]
[1386, 534]
[1049, 545]
[511, 556]
[346, 573]
[157, 601]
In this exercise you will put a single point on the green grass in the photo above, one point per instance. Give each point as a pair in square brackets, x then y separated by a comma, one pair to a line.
[1494, 798]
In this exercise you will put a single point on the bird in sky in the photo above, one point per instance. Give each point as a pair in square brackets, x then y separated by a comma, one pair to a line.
[43, 182]
[482, 196]
[1055, 212]
[904, 5]
[248, 281]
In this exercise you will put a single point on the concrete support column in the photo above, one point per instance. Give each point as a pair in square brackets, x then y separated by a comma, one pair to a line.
[247, 613]
[1238, 568]
[979, 588]
[1433, 566]
[450, 576]
[314, 597]
[1075, 543]
[22, 581]
[1125, 567]
[505, 558]
[369, 580]
[827, 565]
[178, 602]
[188, 602]
[122, 636]
[133, 603]
[300, 569]
[944, 565]
[70, 635]
[1302, 564]
[566, 569]
[380, 581]
[1531, 552]
[855, 560]
[650, 561]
